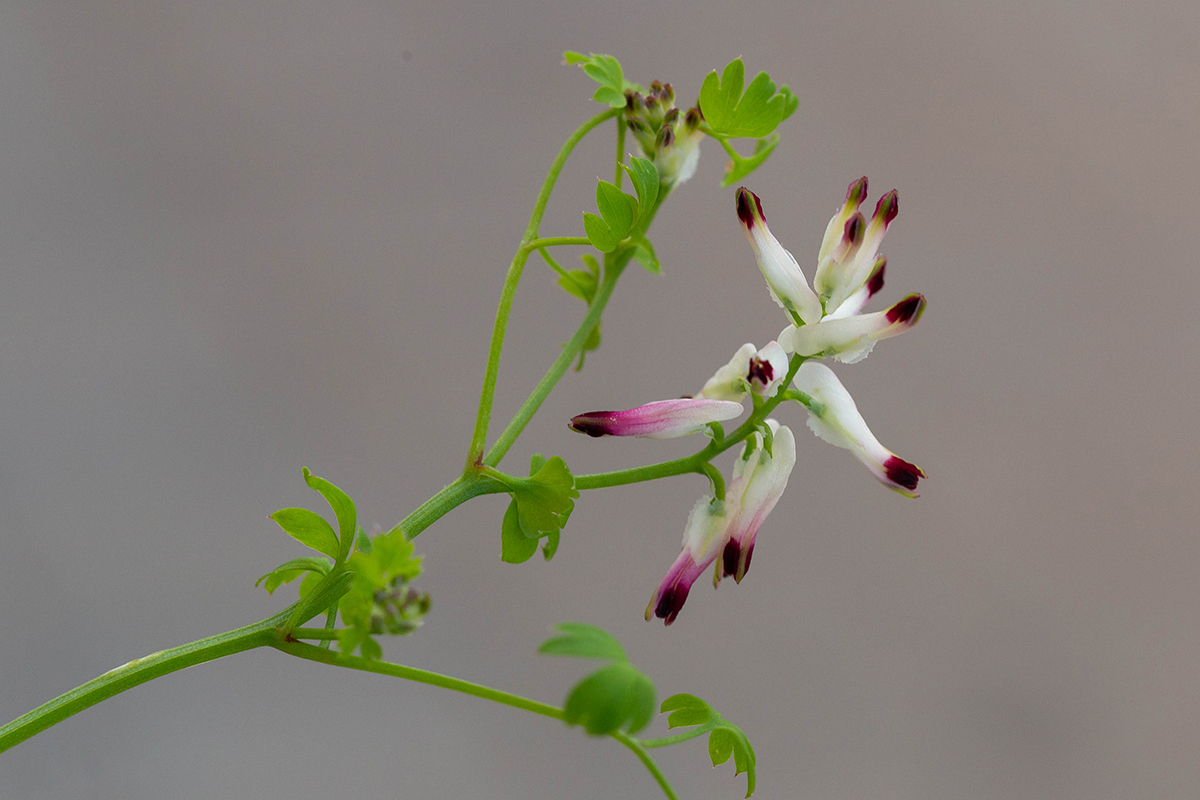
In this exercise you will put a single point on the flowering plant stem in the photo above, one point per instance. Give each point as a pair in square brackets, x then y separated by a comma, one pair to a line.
[697, 462]
[528, 245]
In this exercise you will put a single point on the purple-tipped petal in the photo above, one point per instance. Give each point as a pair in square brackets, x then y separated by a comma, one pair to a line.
[789, 288]
[664, 419]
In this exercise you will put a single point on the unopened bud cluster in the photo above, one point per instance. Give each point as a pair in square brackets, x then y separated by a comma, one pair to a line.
[398, 609]
[669, 137]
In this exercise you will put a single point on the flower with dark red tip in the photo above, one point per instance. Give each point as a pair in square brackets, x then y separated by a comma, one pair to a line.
[750, 370]
[664, 419]
[703, 540]
[827, 319]
[833, 416]
[759, 479]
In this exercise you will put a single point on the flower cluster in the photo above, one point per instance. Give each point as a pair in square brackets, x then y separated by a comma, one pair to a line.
[826, 321]
[669, 138]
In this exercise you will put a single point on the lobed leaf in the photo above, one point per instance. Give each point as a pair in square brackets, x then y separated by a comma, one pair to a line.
[580, 640]
[290, 570]
[604, 70]
[613, 697]
[686, 710]
[755, 113]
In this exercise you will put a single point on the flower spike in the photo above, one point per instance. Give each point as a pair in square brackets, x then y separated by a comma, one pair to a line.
[789, 288]
[833, 416]
[664, 419]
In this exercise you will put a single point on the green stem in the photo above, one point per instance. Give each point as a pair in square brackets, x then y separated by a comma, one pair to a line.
[140, 671]
[488, 392]
[619, 173]
[666, 741]
[558, 241]
[308, 651]
[640, 751]
[613, 265]
[467, 485]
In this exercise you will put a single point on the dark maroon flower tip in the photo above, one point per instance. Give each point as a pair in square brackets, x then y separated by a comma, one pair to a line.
[875, 282]
[907, 310]
[593, 423]
[670, 117]
[666, 137]
[671, 603]
[855, 227]
[888, 207]
[692, 118]
[744, 211]
[760, 371]
[729, 558]
[857, 191]
[902, 473]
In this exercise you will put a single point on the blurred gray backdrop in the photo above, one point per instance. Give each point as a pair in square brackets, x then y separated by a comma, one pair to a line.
[241, 238]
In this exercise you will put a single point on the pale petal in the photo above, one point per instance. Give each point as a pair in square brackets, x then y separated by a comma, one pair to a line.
[849, 339]
[834, 417]
[789, 288]
[729, 382]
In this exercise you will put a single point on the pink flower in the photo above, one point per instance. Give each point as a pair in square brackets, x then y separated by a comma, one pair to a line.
[703, 540]
[664, 419]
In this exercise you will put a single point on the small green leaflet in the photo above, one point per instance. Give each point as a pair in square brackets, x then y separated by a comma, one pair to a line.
[308, 528]
[543, 503]
[581, 640]
[618, 212]
[754, 114]
[389, 566]
[617, 695]
[724, 739]
[290, 570]
[606, 71]
[583, 284]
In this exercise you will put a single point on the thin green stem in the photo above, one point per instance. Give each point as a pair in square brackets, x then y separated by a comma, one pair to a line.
[140, 671]
[558, 241]
[648, 761]
[619, 173]
[613, 265]
[467, 485]
[488, 392]
[314, 633]
[667, 741]
[312, 653]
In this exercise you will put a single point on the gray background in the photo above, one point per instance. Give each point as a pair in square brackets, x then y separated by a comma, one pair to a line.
[236, 239]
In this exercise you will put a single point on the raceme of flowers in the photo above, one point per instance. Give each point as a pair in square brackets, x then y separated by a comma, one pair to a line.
[826, 320]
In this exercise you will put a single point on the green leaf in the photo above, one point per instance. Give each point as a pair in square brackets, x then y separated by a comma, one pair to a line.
[741, 166]
[618, 209]
[615, 696]
[342, 505]
[686, 710]
[288, 571]
[515, 546]
[599, 233]
[724, 739]
[309, 583]
[644, 255]
[364, 542]
[551, 545]
[580, 283]
[581, 640]
[756, 113]
[308, 528]
[544, 499]
[644, 177]
[604, 70]
[592, 342]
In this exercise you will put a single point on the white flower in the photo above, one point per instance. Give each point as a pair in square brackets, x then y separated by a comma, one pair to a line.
[833, 416]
